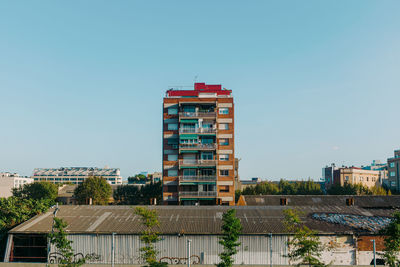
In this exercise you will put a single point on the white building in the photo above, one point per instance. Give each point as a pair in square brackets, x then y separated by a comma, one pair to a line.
[76, 175]
[8, 181]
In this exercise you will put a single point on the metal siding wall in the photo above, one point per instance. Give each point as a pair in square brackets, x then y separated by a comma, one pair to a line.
[254, 249]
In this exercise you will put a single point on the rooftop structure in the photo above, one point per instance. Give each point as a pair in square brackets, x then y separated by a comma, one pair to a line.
[76, 175]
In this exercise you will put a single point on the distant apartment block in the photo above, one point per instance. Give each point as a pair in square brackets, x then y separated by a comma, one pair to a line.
[8, 181]
[76, 175]
[198, 146]
[394, 171]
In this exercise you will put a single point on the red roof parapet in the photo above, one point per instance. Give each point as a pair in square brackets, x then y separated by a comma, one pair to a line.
[200, 88]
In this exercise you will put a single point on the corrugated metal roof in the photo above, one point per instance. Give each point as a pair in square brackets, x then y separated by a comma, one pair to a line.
[190, 219]
[324, 200]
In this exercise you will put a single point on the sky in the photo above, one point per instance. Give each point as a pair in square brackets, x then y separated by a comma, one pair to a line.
[314, 82]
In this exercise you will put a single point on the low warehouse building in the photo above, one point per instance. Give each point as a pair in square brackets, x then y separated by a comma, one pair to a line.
[91, 229]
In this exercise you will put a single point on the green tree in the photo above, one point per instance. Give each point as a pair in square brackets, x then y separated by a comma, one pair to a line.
[14, 210]
[149, 236]
[138, 178]
[349, 189]
[380, 191]
[392, 241]
[133, 195]
[63, 245]
[95, 188]
[231, 229]
[37, 190]
[304, 246]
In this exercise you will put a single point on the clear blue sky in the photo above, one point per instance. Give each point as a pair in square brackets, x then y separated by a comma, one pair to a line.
[315, 82]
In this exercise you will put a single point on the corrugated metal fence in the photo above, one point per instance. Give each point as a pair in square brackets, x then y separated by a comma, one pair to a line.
[254, 249]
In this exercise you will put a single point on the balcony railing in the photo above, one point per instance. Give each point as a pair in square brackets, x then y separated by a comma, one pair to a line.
[198, 146]
[197, 130]
[200, 114]
[198, 194]
[197, 162]
[197, 178]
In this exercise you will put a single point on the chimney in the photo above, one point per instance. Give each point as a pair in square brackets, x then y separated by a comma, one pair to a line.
[350, 201]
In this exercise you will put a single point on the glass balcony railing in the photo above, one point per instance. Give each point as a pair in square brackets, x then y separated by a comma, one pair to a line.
[197, 162]
[198, 114]
[197, 130]
[198, 146]
[197, 193]
[197, 178]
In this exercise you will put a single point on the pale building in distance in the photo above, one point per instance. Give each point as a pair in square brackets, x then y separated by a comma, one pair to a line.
[76, 175]
[8, 181]
[355, 175]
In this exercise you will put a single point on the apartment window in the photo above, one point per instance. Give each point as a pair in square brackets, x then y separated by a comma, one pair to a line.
[224, 111]
[189, 172]
[346, 178]
[224, 126]
[224, 157]
[207, 155]
[172, 141]
[172, 157]
[367, 179]
[224, 188]
[392, 174]
[224, 142]
[172, 111]
[207, 140]
[391, 164]
[172, 188]
[172, 126]
[172, 173]
[223, 172]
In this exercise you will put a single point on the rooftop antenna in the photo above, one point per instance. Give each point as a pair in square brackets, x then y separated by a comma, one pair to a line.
[195, 78]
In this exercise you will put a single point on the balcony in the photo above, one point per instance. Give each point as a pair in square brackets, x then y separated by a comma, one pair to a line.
[198, 194]
[199, 114]
[197, 178]
[197, 130]
[197, 146]
[197, 162]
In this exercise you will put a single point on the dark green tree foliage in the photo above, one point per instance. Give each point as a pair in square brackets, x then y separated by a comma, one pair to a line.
[304, 246]
[231, 229]
[96, 188]
[349, 189]
[149, 236]
[37, 190]
[284, 188]
[133, 195]
[138, 178]
[63, 245]
[392, 241]
[14, 210]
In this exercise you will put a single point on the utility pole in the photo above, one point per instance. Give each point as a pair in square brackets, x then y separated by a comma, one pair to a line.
[113, 250]
[374, 248]
[270, 249]
[188, 252]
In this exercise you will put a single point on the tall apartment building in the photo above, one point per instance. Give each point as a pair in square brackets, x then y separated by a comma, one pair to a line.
[394, 171]
[198, 146]
[76, 175]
